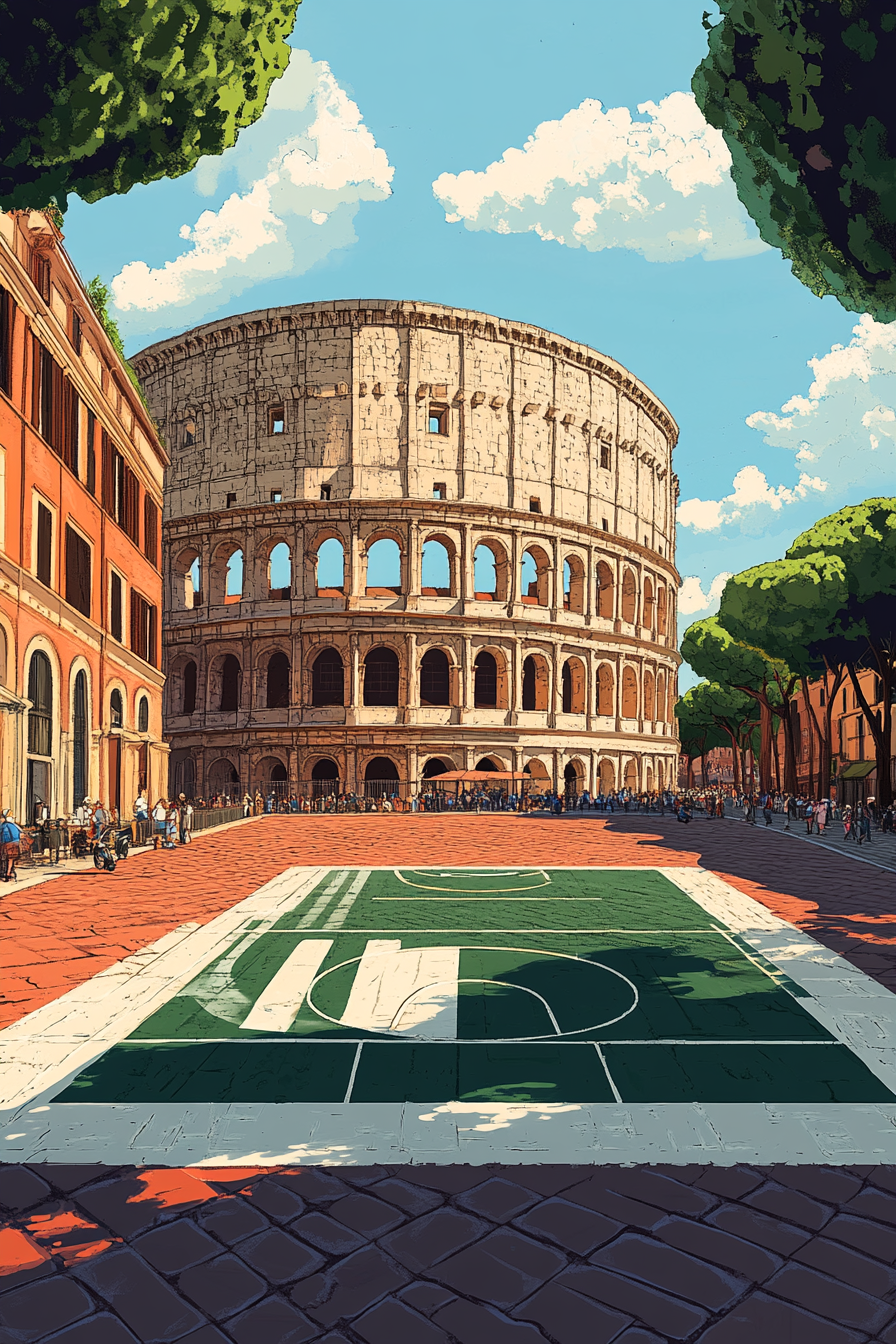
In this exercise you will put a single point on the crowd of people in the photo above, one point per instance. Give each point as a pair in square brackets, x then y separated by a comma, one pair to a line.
[820, 816]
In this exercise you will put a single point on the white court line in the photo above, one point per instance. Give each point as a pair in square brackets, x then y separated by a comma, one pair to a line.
[617, 1095]
[340, 914]
[351, 1078]
[568, 1039]
[323, 901]
[278, 1004]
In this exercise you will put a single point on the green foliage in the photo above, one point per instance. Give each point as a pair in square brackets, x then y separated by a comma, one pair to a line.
[862, 539]
[96, 98]
[802, 91]
[715, 654]
[99, 295]
[788, 607]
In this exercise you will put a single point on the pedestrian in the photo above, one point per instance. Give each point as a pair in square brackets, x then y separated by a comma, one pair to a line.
[247, 804]
[810, 816]
[170, 825]
[10, 847]
[141, 806]
[158, 817]
[186, 821]
[790, 810]
[866, 816]
[767, 809]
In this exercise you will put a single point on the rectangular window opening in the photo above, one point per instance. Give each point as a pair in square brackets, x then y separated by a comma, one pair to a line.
[231, 500]
[438, 419]
[534, 504]
[143, 628]
[439, 491]
[76, 331]
[116, 593]
[605, 456]
[325, 491]
[77, 571]
[276, 420]
[276, 496]
[604, 525]
[45, 545]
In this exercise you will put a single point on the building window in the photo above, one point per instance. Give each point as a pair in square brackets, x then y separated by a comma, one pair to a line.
[438, 419]
[56, 407]
[278, 678]
[534, 504]
[604, 525]
[76, 331]
[605, 456]
[439, 491]
[116, 710]
[381, 677]
[276, 496]
[276, 420]
[143, 714]
[189, 433]
[44, 545]
[40, 715]
[40, 274]
[231, 500]
[7, 319]
[231, 675]
[327, 679]
[121, 490]
[116, 593]
[325, 491]
[90, 454]
[151, 531]
[77, 571]
[79, 739]
[190, 679]
[485, 681]
[143, 628]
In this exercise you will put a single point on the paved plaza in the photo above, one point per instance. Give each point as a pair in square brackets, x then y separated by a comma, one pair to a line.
[449, 1078]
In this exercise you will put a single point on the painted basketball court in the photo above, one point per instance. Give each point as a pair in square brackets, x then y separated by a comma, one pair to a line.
[464, 1014]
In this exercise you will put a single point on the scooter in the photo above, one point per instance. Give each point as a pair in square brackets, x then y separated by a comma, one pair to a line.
[111, 846]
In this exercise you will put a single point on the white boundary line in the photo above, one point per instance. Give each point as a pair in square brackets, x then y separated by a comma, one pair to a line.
[858, 1012]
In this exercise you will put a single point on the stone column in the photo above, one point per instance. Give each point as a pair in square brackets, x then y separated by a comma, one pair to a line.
[355, 568]
[412, 687]
[555, 699]
[354, 685]
[556, 590]
[466, 679]
[413, 567]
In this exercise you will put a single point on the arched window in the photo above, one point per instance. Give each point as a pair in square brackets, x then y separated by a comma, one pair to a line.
[143, 714]
[529, 683]
[79, 740]
[222, 776]
[383, 568]
[660, 695]
[233, 579]
[381, 677]
[324, 777]
[649, 695]
[435, 678]
[190, 676]
[280, 572]
[485, 575]
[629, 597]
[435, 570]
[629, 693]
[534, 577]
[194, 593]
[536, 684]
[434, 767]
[566, 690]
[277, 689]
[605, 689]
[661, 609]
[573, 688]
[486, 764]
[604, 591]
[573, 584]
[231, 674]
[40, 715]
[485, 681]
[330, 568]
[116, 709]
[647, 616]
[327, 679]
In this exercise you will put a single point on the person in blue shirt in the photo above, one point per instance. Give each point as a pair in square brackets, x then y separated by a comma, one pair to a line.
[10, 846]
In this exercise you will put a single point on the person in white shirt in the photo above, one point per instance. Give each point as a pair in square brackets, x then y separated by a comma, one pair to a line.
[141, 807]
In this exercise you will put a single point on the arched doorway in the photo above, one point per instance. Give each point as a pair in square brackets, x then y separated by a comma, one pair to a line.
[573, 781]
[381, 677]
[487, 764]
[223, 779]
[434, 767]
[381, 777]
[485, 681]
[435, 678]
[80, 760]
[327, 679]
[277, 681]
[324, 777]
[631, 775]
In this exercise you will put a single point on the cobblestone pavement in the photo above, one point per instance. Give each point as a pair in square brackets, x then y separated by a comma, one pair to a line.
[509, 1255]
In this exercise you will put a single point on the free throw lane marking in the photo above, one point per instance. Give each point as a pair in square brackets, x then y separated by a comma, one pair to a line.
[276, 1007]
[432, 876]
[342, 910]
[387, 976]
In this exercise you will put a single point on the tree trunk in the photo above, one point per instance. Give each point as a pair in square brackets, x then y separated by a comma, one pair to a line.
[765, 743]
[880, 728]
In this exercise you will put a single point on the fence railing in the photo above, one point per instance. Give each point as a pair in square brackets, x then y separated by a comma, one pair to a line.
[206, 817]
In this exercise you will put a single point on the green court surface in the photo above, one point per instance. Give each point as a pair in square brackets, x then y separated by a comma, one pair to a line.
[523, 985]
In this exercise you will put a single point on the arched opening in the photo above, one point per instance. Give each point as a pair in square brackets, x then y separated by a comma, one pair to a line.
[4, 657]
[280, 572]
[605, 591]
[534, 577]
[489, 573]
[231, 675]
[324, 777]
[435, 570]
[330, 568]
[573, 584]
[537, 769]
[434, 767]
[143, 714]
[660, 695]
[327, 679]
[629, 597]
[188, 581]
[487, 764]
[573, 688]
[536, 683]
[116, 709]
[380, 777]
[485, 681]
[647, 615]
[661, 609]
[233, 578]
[80, 725]
[605, 690]
[190, 681]
[649, 696]
[223, 778]
[181, 775]
[277, 681]
[381, 677]
[631, 775]
[648, 779]
[607, 776]
[383, 568]
[435, 678]
[629, 693]
[271, 770]
[573, 779]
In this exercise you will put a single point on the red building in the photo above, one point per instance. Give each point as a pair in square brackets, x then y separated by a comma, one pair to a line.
[81, 472]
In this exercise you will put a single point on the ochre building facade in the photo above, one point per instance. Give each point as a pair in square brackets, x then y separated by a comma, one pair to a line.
[402, 538]
[81, 471]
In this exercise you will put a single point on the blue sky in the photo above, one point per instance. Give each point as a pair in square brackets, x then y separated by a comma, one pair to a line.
[628, 237]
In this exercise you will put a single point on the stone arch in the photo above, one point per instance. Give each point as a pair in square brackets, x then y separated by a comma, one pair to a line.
[327, 678]
[629, 693]
[660, 695]
[605, 591]
[607, 776]
[223, 777]
[491, 674]
[325, 768]
[278, 680]
[225, 679]
[382, 676]
[630, 774]
[186, 579]
[649, 694]
[535, 575]
[491, 570]
[606, 690]
[383, 563]
[535, 768]
[182, 685]
[648, 613]
[661, 623]
[573, 688]
[435, 766]
[648, 779]
[270, 770]
[277, 563]
[435, 678]
[574, 584]
[438, 562]
[115, 701]
[328, 559]
[226, 576]
[575, 777]
[81, 721]
[536, 687]
[629, 596]
[381, 776]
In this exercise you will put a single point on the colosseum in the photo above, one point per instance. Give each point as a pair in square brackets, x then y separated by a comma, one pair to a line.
[404, 538]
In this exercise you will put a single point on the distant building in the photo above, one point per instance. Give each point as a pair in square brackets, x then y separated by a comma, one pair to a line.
[81, 474]
[854, 763]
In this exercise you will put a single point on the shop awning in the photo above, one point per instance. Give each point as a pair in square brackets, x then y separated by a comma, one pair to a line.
[857, 770]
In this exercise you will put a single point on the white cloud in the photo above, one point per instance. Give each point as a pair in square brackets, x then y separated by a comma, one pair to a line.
[846, 423]
[597, 179]
[692, 599]
[751, 492]
[300, 172]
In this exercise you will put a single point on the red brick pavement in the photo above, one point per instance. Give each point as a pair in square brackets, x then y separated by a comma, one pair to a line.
[447, 1255]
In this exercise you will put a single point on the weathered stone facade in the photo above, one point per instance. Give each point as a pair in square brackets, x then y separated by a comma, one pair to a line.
[358, 421]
